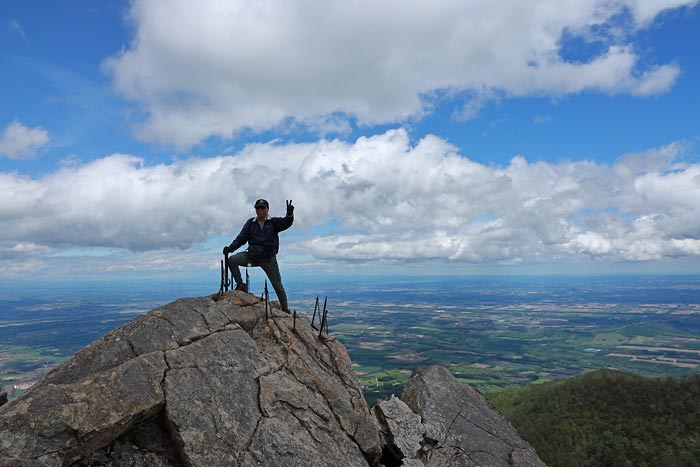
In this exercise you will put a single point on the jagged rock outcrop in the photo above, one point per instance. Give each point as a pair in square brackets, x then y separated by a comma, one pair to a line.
[462, 429]
[399, 425]
[211, 383]
[3, 396]
[197, 383]
[401, 430]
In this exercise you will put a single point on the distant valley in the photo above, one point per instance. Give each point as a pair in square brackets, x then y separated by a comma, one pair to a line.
[492, 333]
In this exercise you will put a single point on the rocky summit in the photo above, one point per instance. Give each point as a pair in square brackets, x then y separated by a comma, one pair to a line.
[232, 382]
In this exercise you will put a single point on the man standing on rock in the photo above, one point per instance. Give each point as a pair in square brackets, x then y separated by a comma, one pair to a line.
[261, 234]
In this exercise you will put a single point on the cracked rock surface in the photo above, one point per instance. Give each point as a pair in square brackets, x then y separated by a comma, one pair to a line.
[197, 383]
[204, 383]
[462, 429]
[399, 426]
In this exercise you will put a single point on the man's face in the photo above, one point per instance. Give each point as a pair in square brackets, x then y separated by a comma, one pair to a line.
[261, 212]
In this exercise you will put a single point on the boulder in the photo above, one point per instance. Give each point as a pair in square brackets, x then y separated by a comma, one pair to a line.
[462, 428]
[60, 423]
[400, 428]
[229, 382]
[214, 383]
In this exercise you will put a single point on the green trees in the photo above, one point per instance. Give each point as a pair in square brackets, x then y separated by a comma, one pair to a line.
[609, 418]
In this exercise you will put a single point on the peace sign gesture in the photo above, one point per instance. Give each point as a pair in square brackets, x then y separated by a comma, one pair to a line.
[290, 208]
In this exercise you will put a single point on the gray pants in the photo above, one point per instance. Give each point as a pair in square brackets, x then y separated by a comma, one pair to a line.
[270, 267]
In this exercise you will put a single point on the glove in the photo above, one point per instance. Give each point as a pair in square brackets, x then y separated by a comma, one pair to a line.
[290, 208]
[227, 250]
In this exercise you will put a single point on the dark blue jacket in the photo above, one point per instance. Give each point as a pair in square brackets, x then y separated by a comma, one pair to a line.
[266, 238]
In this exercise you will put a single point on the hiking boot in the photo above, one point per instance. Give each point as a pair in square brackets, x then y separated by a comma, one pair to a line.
[286, 310]
[242, 287]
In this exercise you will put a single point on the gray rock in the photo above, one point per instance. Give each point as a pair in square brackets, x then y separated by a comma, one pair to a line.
[230, 386]
[3, 396]
[212, 392]
[399, 425]
[412, 463]
[462, 428]
[148, 444]
[204, 383]
[60, 423]
[5, 462]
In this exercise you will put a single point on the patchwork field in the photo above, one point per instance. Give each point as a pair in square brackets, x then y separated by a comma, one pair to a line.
[491, 333]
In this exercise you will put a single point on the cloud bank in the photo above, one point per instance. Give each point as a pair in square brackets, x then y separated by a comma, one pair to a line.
[379, 198]
[20, 142]
[223, 67]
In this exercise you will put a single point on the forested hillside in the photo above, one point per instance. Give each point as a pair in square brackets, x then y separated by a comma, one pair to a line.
[609, 418]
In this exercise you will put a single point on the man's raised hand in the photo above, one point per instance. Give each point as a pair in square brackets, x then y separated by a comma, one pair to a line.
[290, 208]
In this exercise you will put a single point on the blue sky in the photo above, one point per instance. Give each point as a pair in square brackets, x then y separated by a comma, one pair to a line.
[414, 137]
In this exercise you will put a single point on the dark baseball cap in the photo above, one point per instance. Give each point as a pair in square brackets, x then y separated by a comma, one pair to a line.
[262, 202]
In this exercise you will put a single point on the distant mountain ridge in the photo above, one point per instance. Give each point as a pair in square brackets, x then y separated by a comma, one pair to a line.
[210, 383]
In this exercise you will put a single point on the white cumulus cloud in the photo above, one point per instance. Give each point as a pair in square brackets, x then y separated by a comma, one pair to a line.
[221, 67]
[379, 198]
[19, 142]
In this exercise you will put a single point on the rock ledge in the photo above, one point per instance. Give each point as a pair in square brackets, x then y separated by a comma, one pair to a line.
[204, 383]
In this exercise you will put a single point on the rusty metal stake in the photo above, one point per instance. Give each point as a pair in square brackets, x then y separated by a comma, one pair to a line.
[225, 281]
[313, 318]
[267, 299]
[323, 319]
